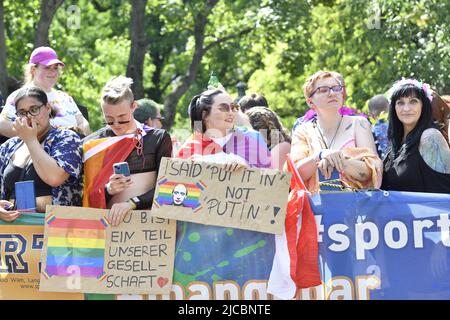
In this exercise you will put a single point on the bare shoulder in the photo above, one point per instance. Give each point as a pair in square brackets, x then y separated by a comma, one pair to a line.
[435, 151]
[363, 133]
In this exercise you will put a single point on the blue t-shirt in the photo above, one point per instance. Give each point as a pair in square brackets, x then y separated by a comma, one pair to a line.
[379, 131]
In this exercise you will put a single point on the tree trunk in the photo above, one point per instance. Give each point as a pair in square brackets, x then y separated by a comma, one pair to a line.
[48, 10]
[155, 91]
[171, 100]
[135, 67]
[3, 70]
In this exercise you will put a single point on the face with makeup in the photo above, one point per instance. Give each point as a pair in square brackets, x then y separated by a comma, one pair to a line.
[179, 194]
[222, 116]
[119, 117]
[408, 110]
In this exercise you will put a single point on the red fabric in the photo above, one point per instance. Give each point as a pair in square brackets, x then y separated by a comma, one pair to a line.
[304, 253]
[118, 152]
[200, 145]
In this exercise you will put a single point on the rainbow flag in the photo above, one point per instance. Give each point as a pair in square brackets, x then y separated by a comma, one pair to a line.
[75, 242]
[193, 193]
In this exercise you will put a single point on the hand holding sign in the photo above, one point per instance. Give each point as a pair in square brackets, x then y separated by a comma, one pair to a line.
[222, 194]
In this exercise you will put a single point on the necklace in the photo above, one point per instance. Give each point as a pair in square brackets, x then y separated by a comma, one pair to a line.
[321, 134]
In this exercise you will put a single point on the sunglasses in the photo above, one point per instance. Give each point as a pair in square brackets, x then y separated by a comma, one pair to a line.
[33, 111]
[110, 123]
[326, 89]
[233, 107]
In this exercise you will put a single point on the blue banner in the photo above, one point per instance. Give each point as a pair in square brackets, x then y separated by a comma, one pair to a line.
[384, 245]
[372, 245]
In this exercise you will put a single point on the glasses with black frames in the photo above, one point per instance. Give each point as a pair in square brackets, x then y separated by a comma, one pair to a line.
[33, 111]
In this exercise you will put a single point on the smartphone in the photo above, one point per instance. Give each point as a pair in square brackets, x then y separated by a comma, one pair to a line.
[121, 168]
[25, 196]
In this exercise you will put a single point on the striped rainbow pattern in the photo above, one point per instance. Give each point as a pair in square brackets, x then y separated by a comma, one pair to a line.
[194, 192]
[75, 242]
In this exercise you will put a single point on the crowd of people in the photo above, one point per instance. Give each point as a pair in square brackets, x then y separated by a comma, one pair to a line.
[401, 145]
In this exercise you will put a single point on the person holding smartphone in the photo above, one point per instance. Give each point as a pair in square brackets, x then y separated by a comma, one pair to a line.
[123, 139]
[48, 156]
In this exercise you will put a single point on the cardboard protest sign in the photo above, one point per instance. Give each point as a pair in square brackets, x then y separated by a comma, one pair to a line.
[20, 248]
[83, 253]
[201, 192]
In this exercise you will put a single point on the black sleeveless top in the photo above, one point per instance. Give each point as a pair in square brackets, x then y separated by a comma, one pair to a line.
[13, 174]
[156, 144]
[412, 173]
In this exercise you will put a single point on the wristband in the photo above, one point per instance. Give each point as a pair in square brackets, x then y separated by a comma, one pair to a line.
[134, 202]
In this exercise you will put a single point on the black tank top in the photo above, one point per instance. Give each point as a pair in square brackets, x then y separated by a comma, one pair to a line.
[12, 174]
[413, 174]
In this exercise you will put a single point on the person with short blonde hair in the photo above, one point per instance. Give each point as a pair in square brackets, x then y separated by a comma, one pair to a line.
[334, 151]
[124, 140]
[311, 114]
[308, 87]
[117, 89]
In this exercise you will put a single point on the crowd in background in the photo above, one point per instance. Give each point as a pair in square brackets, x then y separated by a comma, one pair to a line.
[402, 144]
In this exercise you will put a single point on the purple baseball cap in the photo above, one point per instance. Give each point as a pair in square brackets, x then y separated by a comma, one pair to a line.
[45, 56]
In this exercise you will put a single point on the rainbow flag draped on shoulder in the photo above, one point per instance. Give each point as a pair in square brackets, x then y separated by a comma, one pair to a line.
[99, 155]
[243, 145]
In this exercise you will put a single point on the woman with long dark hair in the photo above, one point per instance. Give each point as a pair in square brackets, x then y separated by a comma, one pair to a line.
[216, 139]
[419, 157]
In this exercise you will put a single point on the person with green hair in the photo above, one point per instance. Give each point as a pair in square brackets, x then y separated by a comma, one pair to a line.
[149, 112]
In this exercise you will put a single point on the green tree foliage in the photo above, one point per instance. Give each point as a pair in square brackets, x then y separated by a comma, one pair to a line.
[270, 45]
[20, 20]
[376, 43]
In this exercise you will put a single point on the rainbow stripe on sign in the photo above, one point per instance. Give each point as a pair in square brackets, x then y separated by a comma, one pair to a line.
[75, 246]
[192, 200]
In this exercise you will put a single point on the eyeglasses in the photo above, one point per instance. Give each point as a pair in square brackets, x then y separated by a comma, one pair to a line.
[158, 118]
[33, 111]
[326, 90]
[111, 123]
[234, 107]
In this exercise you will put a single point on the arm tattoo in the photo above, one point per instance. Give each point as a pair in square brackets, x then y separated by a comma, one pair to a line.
[362, 175]
[363, 124]
[435, 151]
